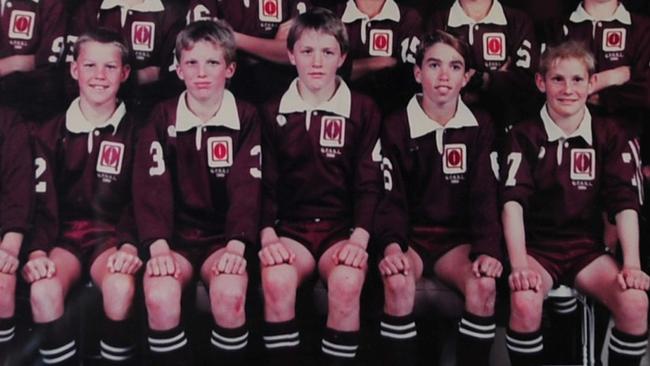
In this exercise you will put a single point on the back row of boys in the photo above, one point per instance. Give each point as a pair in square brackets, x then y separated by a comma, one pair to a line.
[193, 182]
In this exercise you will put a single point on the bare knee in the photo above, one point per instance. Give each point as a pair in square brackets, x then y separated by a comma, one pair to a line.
[399, 294]
[227, 299]
[480, 294]
[345, 284]
[8, 298]
[117, 291]
[47, 299]
[279, 284]
[163, 300]
[631, 311]
[525, 310]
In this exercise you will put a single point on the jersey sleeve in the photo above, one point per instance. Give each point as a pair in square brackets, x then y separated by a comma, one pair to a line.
[392, 219]
[17, 177]
[152, 184]
[244, 184]
[517, 182]
[483, 187]
[367, 175]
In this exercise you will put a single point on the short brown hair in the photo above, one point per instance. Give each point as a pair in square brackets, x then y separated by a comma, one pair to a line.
[104, 36]
[217, 32]
[566, 50]
[429, 40]
[321, 20]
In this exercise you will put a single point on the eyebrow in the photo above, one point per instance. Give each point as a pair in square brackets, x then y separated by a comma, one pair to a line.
[453, 62]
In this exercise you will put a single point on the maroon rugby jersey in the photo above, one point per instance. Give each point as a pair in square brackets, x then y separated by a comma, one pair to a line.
[565, 183]
[149, 28]
[191, 175]
[83, 173]
[29, 27]
[319, 162]
[622, 40]
[16, 174]
[441, 177]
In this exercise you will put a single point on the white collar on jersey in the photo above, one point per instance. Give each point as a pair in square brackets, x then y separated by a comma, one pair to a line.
[554, 132]
[226, 116]
[420, 124]
[458, 17]
[145, 6]
[76, 122]
[390, 11]
[340, 103]
[621, 14]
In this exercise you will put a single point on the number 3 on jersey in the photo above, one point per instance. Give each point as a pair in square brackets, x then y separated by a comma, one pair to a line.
[156, 152]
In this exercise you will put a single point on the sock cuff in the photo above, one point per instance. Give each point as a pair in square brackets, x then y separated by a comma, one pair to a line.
[279, 335]
[338, 344]
[628, 344]
[167, 340]
[398, 327]
[532, 342]
[478, 327]
[7, 329]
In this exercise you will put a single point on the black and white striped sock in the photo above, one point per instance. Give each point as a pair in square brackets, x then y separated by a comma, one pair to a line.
[229, 345]
[169, 347]
[339, 348]
[282, 342]
[59, 346]
[626, 349]
[525, 349]
[476, 334]
[399, 340]
[563, 305]
[117, 344]
[7, 330]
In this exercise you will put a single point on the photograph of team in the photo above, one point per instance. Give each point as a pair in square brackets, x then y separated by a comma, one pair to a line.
[324, 182]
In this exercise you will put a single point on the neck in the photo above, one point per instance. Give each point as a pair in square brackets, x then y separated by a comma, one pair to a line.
[600, 9]
[204, 109]
[97, 114]
[370, 7]
[476, 9]
[439, 112]
[317, 97]
[568, 124]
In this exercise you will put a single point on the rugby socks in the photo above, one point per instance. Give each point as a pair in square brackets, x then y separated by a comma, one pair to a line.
[59, 346]
[398, 340]
[282, 343]
[228, 345]
[7, 331]
[339, 348]
[525, 349]
[563, 305]
[169, 347]
[117, 343]
[475, 338]
[626, 349]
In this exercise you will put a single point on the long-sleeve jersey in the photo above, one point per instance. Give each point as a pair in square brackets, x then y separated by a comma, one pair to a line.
[16, 174]
[194, 175]
[440, 177]
[321, 162]
[83, 173]
[565, 183]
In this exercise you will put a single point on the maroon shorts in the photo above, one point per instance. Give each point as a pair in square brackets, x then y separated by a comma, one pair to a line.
[432, 242]
[87, 240]
[197, 245]
[316, 235]
[564, 262]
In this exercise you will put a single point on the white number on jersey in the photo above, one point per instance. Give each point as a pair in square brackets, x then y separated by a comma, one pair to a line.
[409, 48]
[514, 160]
[41, 165]
[494, 162]
[387, 167]
[156, 152]
[524, 55]
[256, 172]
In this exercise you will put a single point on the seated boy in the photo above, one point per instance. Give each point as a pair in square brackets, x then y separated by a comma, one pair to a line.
[197, 197]
[83, 215]
[439, 212]
[560, 171]
[321, 187]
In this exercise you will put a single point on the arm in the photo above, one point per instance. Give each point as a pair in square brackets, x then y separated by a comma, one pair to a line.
[631, 275]
[274, 50]
[22, 63]
[148, 75]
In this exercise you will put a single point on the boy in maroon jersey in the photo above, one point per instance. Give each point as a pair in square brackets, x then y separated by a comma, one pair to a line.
[321, 188]
[560, 171]
[261, 28]
[197, 197]
[83, 215]
[504, 55]
[439, 213]
[15, 207]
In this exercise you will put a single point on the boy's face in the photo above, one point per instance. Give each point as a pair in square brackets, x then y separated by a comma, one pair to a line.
[567, 86]
[442, 73]
[316, 56]
[204, 70]
[99, 72]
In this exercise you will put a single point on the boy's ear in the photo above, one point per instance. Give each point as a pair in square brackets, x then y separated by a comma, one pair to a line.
[230, 70]
[74, 70]
[292, 58]
[126, 71]
[539, 81]
[342, 59]
[179, 72]
[592, 82]
[417, 73]
[467, 76]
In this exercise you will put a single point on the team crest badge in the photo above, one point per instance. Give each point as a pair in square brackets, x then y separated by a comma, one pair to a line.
[614, 39]
[454, 159]
[110, 157]
[494, 47]
[583, 164]
[332, 131]
[381, 42]
[220, 152]
[143, 35]
[21, 24]
[270, 11]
